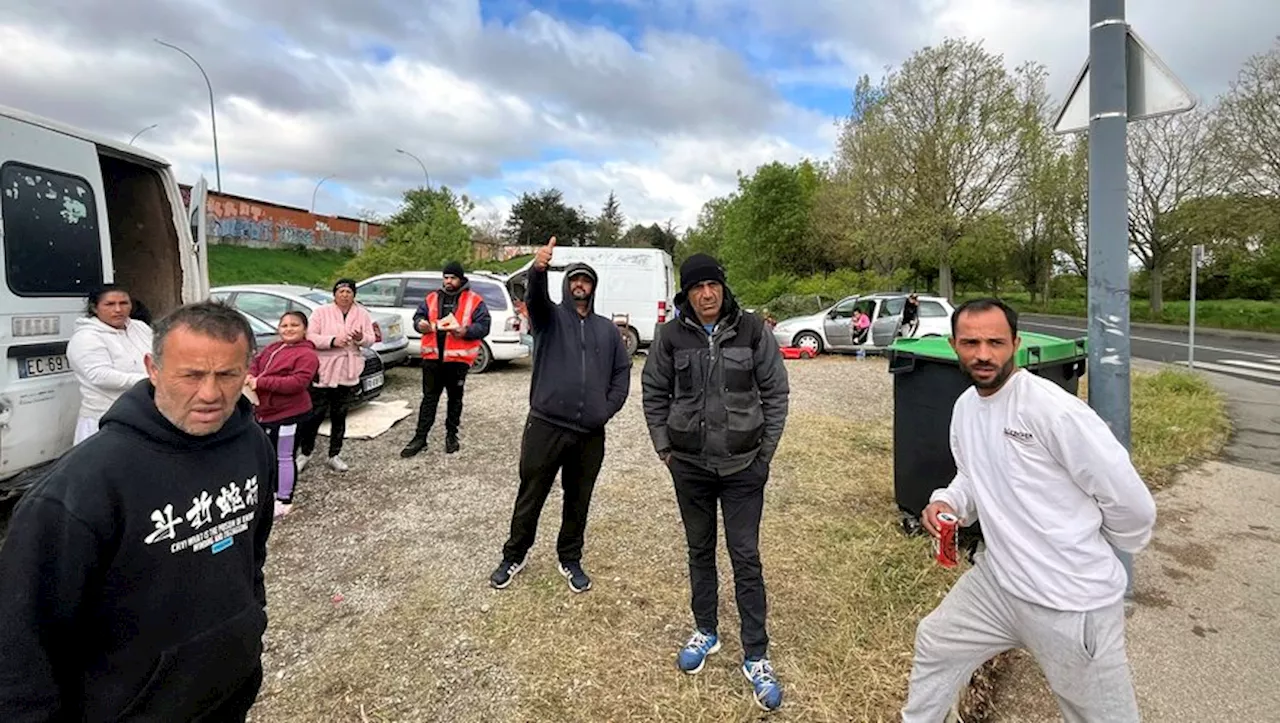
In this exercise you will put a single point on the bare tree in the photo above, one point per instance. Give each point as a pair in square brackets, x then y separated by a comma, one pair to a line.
[1172, 160]
[1249, 123]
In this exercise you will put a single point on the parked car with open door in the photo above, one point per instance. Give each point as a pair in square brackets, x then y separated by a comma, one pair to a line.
[832, 330]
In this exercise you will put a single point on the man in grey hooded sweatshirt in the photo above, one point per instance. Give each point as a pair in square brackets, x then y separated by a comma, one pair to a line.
[581, 378]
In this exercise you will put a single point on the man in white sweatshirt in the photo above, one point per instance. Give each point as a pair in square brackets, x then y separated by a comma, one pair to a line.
[1055, 491]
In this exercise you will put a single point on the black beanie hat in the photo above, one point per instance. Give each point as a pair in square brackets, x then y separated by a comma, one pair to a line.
[697, 269]
[454, 268]
[349, 283]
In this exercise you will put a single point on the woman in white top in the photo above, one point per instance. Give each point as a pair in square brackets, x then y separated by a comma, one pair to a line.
[106, 353]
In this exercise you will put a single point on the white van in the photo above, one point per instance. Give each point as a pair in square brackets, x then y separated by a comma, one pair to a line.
[400, 293]
[637, 286]
[77, 210]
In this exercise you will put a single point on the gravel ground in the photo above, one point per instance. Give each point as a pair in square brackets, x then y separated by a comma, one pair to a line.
[377, 579]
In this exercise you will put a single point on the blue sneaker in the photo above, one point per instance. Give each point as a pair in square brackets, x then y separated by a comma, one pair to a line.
[768, 692]
[694, 654]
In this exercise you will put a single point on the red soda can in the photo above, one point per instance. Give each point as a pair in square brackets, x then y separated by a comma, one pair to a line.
[946, 548]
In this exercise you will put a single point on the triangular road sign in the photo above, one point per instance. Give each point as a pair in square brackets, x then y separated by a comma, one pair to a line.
[1153, 90]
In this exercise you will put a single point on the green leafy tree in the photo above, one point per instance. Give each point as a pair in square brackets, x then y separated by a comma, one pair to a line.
[424, 234]
[944, 135]
[651, 236]
[535, 218]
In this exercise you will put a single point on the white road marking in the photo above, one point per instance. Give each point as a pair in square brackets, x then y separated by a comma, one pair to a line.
[1210, 366]
[1180, 344]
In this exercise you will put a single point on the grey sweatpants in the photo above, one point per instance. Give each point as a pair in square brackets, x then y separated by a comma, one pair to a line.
[1082, 654]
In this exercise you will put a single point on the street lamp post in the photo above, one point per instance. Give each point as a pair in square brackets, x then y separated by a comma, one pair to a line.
[213, 117]
[420, 163]
[317, 190]
[144, 130]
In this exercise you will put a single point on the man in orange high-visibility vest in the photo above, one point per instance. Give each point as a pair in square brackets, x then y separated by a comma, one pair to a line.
[453, 322]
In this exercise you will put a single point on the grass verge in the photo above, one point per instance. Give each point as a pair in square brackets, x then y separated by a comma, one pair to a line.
[1178, 419]
[846, 590]
[244, 265]
[1241, 314]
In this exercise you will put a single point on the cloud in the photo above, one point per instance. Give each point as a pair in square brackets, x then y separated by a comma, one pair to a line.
[661, 101]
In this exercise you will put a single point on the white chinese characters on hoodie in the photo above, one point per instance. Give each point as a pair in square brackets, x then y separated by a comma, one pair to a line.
[107, 361]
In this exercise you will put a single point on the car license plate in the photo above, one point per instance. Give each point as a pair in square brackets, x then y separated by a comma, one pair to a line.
[370, 383]
[43, 366]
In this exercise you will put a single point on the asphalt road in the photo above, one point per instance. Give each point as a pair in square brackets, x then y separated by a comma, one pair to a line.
[1256, 360]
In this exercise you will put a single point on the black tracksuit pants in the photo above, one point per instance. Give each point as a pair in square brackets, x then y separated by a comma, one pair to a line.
[545, 450]
[441, 377]
[741, 497]
[331, 401]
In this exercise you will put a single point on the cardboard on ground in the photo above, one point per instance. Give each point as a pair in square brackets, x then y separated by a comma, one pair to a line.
[1153, 90]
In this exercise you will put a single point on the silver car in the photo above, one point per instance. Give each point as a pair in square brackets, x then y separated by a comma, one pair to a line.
[270, 301]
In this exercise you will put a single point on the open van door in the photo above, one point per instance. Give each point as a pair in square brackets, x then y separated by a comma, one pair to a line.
[196, 281]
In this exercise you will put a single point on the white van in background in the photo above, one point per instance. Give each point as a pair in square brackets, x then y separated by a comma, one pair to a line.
[77, 210]
[637, 286]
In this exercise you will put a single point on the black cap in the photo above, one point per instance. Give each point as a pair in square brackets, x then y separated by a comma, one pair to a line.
[454, 268]
[699, 268]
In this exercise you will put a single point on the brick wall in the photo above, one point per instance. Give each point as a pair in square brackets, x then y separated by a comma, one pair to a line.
[241, 221]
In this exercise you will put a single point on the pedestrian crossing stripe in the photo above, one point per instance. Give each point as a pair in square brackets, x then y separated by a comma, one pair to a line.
[1268, 370]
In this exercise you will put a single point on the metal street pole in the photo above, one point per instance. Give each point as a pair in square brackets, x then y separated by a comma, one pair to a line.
[213, 116]
[144, 130]
[1109, 224]
[420, 163]
[316, 190]
[1196, 252]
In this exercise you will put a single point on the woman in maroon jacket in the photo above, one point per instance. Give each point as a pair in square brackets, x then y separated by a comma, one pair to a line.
[281, 376]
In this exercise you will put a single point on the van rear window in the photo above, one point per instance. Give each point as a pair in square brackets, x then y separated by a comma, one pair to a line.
[51, 241]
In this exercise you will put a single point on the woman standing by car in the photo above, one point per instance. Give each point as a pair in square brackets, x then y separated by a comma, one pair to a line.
[106, 352]
[338, 330]
[281, 377]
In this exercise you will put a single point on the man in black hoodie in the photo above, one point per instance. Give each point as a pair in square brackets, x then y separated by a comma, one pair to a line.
[447, 353]
[131, 583]
[581, 377]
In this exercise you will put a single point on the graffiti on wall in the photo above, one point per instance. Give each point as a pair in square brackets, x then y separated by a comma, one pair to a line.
[239, 221]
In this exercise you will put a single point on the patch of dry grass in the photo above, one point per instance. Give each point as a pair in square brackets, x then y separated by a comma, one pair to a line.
[1178, 418]
[846, 590]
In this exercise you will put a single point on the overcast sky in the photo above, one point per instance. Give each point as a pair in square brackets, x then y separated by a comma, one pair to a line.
[661, 101]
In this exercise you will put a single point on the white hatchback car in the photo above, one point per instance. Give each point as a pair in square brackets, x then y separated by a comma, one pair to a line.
[269, 301]
[402, 292]
[832, 328]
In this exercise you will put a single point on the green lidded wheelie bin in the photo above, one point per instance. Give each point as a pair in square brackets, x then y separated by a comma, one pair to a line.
[927, 381]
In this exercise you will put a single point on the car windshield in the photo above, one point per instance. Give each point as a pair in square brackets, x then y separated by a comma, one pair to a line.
[319, 297]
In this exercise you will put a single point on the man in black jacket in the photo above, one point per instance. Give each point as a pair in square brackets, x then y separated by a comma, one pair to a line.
[132, 585]
[581, 377]
[715, 399]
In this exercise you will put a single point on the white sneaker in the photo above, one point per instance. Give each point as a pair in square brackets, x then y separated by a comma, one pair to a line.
[302, 462]
[337, 465]
[283, 508]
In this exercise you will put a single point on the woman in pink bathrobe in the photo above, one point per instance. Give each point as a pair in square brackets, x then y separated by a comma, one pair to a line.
[338, 330]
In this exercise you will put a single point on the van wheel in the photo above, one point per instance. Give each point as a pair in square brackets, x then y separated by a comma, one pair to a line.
[631, 340]
[484, 360]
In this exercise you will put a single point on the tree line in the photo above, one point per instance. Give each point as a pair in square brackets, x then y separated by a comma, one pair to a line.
[946, 177]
